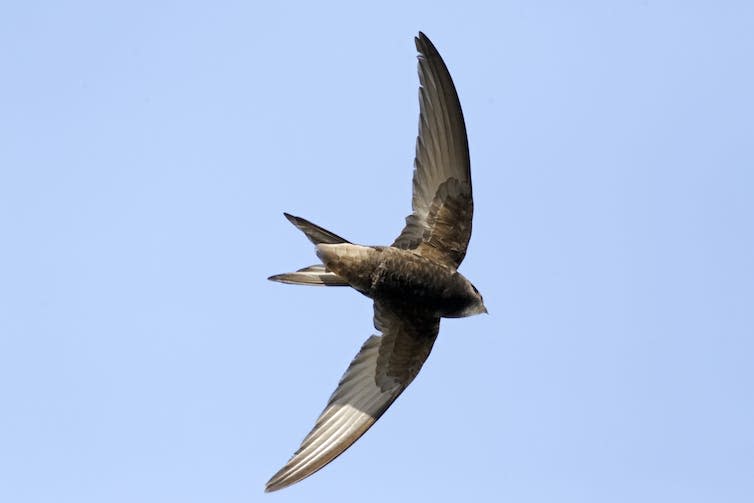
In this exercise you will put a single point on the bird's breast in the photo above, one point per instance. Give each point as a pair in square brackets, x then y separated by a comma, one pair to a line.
[397, 276]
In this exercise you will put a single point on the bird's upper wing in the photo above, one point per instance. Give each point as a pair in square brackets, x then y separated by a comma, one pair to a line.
[382, 369]
[440, 225]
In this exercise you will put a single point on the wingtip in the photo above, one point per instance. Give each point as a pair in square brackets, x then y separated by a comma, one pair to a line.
[279, 481]
[423, 44]
[269, 489]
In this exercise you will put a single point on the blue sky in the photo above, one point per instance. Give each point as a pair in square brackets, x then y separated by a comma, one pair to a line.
[150, 148]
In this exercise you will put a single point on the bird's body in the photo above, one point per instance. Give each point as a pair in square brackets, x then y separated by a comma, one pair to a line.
[391, 275]
[414, 282]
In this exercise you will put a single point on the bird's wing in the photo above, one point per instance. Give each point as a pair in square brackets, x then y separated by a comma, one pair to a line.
[382, 369]
[440, 225]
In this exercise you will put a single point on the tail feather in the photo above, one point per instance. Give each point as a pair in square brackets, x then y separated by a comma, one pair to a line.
[315, 275]
[315, 233]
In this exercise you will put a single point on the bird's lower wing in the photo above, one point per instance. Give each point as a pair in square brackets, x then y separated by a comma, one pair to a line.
[382, 369]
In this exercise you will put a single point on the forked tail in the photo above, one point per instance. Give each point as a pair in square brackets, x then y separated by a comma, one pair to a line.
[316, 275]
[315, 233]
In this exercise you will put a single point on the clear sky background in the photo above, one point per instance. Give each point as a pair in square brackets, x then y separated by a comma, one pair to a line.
[148, 150]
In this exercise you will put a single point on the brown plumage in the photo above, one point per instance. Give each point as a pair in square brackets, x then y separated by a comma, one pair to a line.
[413, 282]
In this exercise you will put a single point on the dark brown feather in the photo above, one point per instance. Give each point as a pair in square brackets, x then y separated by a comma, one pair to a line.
[379, 373]
[440, 224]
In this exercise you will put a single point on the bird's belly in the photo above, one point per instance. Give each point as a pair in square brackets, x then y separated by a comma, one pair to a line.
[408, 279]
[399, 277]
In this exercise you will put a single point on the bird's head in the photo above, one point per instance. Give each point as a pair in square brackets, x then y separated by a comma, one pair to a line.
[468, 301]
[477, 306]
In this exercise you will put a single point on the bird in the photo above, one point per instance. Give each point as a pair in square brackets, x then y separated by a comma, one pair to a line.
[413, 283]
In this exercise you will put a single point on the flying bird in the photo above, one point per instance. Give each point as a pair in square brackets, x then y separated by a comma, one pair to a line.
[413, 282]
